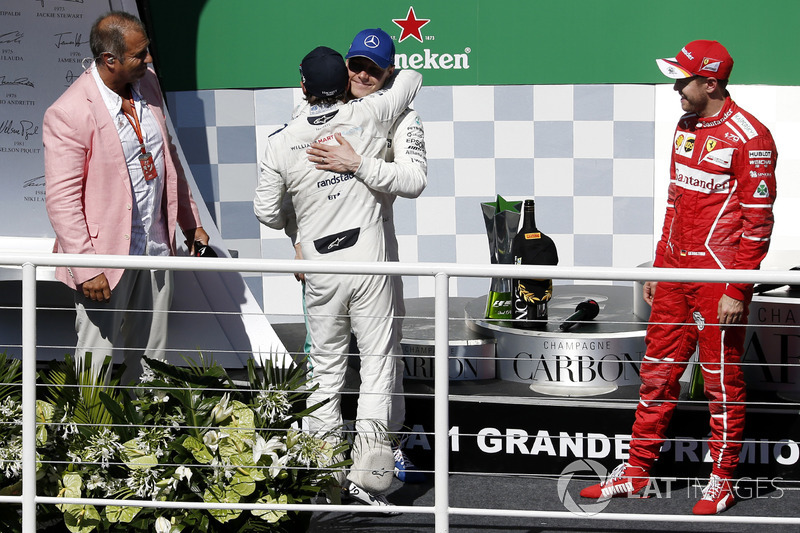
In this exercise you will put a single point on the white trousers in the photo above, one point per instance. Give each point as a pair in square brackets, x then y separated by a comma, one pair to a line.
[364, 303]
[133, 323]
[397, 416]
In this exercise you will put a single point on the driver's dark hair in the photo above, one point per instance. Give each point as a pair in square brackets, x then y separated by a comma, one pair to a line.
[324, 100]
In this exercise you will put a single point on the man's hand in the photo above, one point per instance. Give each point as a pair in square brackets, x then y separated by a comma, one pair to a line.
[97, 289]
[649, 291]
[298, 254]
[342, 159]
[729, 311]
[196, 234]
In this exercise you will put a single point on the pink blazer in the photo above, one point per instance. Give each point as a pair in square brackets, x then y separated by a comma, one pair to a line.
[88, 190]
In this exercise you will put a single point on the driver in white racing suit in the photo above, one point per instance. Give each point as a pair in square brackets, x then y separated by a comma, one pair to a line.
[338, 218]
[400, 170]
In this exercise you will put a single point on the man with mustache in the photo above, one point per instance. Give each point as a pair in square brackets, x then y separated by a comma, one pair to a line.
[115, 186]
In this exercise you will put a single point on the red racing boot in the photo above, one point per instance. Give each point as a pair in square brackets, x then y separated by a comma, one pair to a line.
[624, 480]
[717, 496]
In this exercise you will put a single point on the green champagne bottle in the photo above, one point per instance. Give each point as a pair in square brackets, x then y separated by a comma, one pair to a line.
[697, 383]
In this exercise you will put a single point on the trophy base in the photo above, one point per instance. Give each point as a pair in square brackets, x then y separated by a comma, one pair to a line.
[572, 391]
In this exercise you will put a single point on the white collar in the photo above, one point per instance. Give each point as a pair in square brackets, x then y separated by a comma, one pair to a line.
[112, 100]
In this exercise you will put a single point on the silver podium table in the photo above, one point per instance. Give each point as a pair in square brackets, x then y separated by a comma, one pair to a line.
[471, 353]
[771, 360]
[589, 359]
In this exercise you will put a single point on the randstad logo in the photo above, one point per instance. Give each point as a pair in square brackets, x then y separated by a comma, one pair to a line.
[411, 27]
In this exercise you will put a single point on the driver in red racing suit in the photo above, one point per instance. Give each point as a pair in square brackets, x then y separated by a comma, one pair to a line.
[719, 215]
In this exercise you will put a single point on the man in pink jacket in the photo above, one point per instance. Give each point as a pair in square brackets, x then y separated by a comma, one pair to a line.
[115, 186]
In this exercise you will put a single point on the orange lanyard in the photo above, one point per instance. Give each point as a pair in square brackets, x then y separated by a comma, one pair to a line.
[137, 128]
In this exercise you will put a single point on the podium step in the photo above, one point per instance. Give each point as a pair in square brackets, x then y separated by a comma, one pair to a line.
[504, 427]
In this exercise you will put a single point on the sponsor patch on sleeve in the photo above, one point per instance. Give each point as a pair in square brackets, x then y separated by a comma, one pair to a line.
[760, 154]
[747, 128]
[762, 191]
[756, 174]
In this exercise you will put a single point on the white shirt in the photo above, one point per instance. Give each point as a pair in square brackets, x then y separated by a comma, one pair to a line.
[148, 226]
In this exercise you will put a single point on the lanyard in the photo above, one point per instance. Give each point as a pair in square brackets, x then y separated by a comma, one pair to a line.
[146, 158]
[137, 128]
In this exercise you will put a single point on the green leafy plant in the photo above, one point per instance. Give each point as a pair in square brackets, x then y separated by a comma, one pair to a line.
[185, 434]
[10, 436]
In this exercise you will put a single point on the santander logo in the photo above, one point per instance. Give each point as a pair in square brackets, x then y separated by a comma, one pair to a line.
[697, 180]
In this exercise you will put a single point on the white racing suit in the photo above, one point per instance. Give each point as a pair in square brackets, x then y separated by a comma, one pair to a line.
[339, 218]
[401, 170]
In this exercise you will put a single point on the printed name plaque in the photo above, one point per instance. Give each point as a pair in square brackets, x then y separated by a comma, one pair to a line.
[471, 353]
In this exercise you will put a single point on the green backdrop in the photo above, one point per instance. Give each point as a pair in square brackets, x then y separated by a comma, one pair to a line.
[213, 44]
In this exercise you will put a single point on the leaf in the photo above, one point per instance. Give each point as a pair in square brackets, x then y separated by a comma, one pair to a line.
[245, 417]
[145, 461]
[198, 449]
[72, 485]
[142, 522]
[12, 490]
[44, 412]
[72, 382]
[125, 426]
[253, 375]
[81, 518]
[243, 485]
[245, 464]
[10, 377]
[271, 515]
[44, 415]
[217, 494]
[115, 513]
[131, 451]
[243, 460]
[207, 375]
[131, 414]
[232, 444]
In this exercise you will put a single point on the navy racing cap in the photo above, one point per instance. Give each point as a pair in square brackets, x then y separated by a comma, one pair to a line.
[375, 45]
[324, 72]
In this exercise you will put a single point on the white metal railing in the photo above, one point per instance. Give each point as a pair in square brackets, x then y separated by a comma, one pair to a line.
[441, 272]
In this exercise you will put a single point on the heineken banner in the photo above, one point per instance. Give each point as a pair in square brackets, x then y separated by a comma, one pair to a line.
[218, 44]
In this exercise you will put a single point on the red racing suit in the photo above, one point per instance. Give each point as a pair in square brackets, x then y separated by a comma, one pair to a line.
[719, 215]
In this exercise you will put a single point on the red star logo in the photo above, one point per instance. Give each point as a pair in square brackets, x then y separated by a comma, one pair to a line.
[411, 25]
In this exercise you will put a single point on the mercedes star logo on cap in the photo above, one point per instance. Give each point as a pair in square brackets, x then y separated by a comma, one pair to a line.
[372, 41]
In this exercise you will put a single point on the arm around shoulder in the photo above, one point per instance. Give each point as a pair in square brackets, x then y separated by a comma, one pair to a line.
[404, 174]
[392, 101]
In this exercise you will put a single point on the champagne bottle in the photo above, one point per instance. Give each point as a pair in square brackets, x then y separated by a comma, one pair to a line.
[697, 383]
[530, 296]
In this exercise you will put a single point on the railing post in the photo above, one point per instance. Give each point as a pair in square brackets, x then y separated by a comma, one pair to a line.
[441, 405]
[28, 398]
